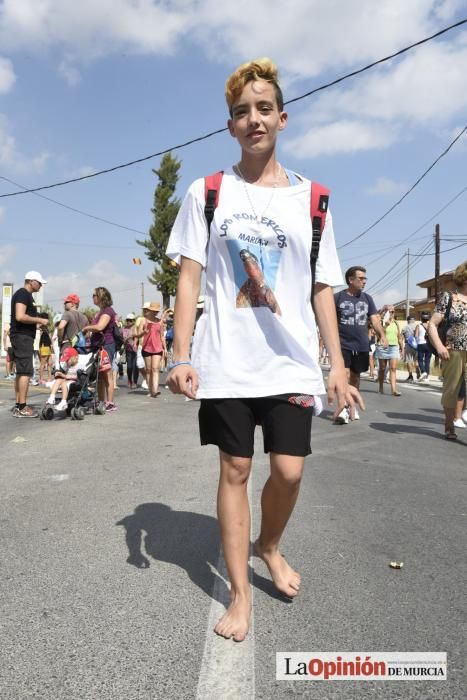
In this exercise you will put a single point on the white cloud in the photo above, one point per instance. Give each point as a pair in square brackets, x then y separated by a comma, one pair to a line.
[12, 158]
[344, 136]
[7, 75]
[307, 37]
[124, 290]
[6, 253]
[91, 29]
[385, 185]
[425, 87]
[69, 72]
[390, 296]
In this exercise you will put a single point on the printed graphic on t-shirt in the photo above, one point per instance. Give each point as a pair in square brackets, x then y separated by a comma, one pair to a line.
[255, 263]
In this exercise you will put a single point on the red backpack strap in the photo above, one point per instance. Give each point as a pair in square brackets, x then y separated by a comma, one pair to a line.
[212, 186]
[319, 200]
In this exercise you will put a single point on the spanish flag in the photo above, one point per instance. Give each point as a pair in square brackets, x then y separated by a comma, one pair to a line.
[136, 261]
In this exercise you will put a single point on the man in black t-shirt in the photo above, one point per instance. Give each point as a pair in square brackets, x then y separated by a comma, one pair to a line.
[354, 308]
[23, 325]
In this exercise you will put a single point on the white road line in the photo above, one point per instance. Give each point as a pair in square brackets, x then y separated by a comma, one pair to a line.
[228, 668]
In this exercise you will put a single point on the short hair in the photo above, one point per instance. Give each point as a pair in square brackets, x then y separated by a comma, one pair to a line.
[258, 69]
[352, 270]
[460, 274]
[43, 314]
[104, 296]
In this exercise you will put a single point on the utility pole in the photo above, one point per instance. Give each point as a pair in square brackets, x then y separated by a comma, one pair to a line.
[142, 294]
[436, 262]
[407, 299]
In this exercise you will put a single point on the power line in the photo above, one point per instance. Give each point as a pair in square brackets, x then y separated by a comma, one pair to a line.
[70, 244]
[74, 209]
[395, 276]
[410, 237]
[219, 131]
[360, 235]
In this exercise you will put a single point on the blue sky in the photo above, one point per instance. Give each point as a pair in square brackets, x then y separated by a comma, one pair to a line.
[85, 86]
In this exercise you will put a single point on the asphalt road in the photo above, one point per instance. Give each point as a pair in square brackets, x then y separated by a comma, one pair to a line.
[110, 574]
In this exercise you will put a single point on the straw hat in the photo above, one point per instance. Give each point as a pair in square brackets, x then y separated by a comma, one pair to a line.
[153, 306]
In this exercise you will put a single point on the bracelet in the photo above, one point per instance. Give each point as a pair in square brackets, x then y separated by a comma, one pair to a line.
[177, 364]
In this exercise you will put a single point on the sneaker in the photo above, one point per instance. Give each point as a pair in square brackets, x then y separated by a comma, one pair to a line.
[62, 406]
[464, 416]
[51, 400]
[343, 417]
[26, 412]
[409, 378]
[109, 406]
[459, 423]
[356, 415]
[422, 376]
[34, 382]
[144, 384]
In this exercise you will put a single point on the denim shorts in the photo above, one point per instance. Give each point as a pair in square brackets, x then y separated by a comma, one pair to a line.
[389, 353]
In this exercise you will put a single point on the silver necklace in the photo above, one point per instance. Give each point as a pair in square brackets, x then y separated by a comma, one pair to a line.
[268, 204]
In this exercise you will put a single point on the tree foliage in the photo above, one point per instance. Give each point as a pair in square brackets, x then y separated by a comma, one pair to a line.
[165, 209]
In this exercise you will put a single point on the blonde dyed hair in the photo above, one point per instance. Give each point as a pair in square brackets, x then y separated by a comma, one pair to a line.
[258, 69]
[460, 274]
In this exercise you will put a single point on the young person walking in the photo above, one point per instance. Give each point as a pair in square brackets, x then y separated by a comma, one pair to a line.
[255, 352]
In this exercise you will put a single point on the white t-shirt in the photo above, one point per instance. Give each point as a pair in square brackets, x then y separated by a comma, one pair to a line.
[257, 335]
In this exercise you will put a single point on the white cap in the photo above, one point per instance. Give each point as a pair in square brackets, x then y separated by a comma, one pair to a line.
[130, 317]
[34, 275]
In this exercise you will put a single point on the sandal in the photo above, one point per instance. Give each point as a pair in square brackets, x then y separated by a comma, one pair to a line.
[396, 393]
[450, 434]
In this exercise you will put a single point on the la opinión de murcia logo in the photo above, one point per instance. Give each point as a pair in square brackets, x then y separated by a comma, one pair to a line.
[361, 666]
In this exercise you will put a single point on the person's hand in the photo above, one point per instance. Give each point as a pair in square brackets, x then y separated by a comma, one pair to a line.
[42, 321]
[443, 353]
[340, 390]
[183, 379]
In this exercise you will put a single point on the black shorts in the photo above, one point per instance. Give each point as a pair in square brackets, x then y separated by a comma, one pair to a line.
[230, 424]
[144, 353]
[22, 349]
[357, 362]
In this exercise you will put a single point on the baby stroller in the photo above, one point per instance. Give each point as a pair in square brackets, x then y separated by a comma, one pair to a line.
[82, 395]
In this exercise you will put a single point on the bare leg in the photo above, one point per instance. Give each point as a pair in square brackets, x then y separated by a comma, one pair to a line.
[233, 512]
[392, 375]
[278, 499]
[148, 372]
[381, 370]
[155, 371]
[109, 386]
[21, 388]
[354, 379]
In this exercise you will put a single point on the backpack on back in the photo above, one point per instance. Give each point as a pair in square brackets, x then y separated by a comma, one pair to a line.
[319, 201]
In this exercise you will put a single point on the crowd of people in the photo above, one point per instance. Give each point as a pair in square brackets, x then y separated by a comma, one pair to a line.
[44, 351]
[375, 341]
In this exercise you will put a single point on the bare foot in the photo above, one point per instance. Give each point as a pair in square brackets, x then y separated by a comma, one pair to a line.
[235, 622]
[285, 579]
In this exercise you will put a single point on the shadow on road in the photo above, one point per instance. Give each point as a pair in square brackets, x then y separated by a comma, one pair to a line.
[188, 540]
[413, 417]
[396, 428]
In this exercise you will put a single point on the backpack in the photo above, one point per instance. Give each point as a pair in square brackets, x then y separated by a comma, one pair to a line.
[119, 340]
[319, 200]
